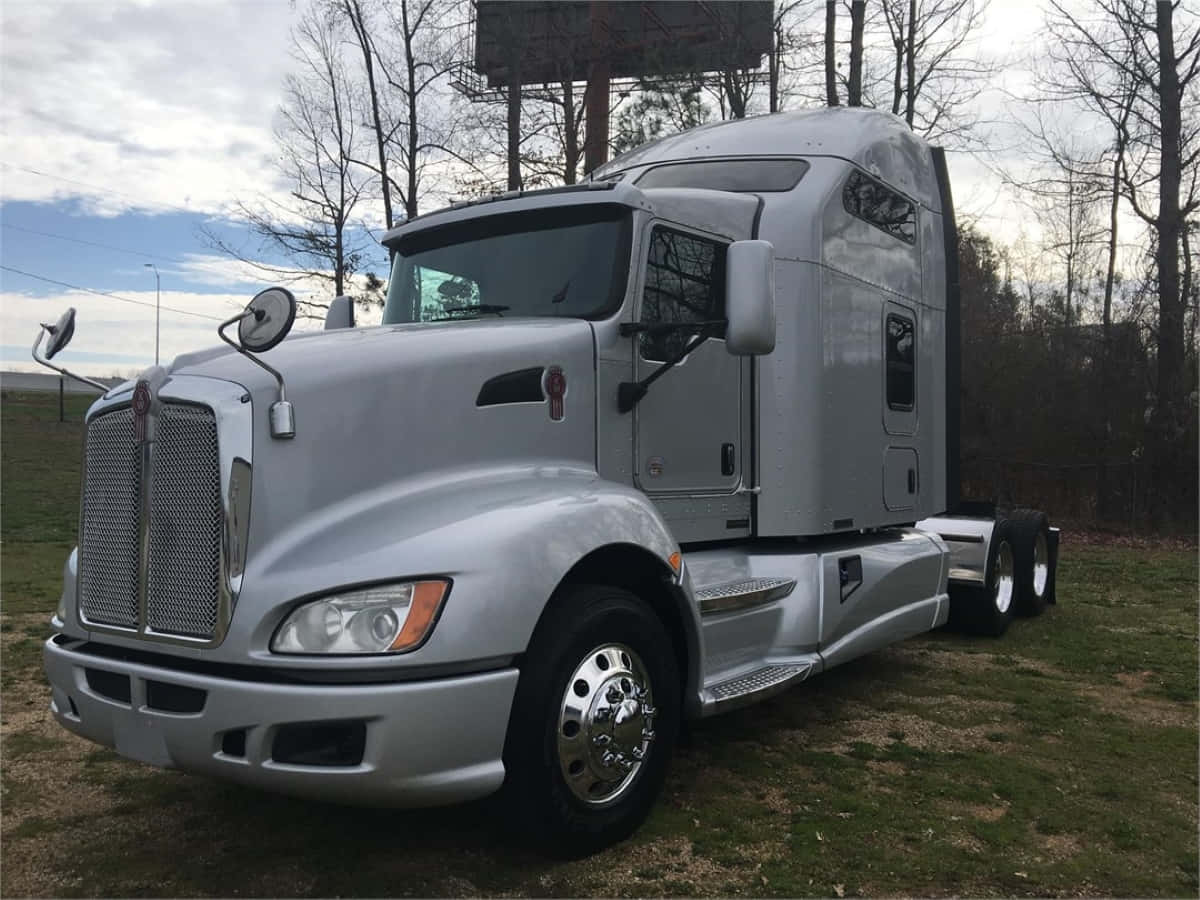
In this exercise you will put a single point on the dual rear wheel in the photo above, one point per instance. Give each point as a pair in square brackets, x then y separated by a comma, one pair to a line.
[1019, 575]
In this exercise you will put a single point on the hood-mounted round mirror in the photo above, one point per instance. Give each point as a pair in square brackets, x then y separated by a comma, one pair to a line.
[270, 316]
[60, 332]
[265, 322]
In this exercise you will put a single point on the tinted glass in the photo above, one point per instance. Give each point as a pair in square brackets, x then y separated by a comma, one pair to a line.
[873, 202]
[901, 369]
[685, 282]
[754, 175]
[571, 262]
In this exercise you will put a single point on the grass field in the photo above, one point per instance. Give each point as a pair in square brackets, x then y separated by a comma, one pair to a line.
[1059, 760]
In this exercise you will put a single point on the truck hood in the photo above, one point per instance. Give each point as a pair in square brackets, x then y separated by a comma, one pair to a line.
[394, 409]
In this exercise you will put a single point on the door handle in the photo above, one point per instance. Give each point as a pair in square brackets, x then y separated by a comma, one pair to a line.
[728, 459]
[912, 481]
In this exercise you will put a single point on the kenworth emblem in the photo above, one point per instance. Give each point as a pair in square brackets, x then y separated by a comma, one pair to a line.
[556, 388]
[141, 408]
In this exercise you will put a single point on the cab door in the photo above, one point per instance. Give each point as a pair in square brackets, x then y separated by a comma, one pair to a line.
[688, 433]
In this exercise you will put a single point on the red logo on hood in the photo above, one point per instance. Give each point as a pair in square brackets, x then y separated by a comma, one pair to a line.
[556, 388]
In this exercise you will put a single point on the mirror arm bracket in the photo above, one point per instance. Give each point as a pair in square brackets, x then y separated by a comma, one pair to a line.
[103, 388]
[282, 416]
[629, 393]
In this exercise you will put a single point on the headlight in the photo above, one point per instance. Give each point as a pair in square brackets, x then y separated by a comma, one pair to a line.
[390, 618]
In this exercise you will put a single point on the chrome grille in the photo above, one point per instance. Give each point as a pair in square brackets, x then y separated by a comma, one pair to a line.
[183, 590]
[109, 532]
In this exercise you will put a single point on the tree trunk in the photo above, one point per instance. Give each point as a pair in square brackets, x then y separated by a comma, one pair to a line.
[898, 44]
[831, 94]
[857, 19]
[1170, 317]
[570, 134]
[773, 67]
[514, 126]
[910, 65]
[410, 201]
[1166, 460]
[354, 12]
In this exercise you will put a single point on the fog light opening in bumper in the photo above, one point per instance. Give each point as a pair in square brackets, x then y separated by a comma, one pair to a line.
[233, 743]
[330, 744]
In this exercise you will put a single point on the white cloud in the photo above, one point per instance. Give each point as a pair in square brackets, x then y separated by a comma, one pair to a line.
[158, 105]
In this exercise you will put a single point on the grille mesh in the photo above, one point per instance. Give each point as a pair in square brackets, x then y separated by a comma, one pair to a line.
[185, 524]
[108, 563]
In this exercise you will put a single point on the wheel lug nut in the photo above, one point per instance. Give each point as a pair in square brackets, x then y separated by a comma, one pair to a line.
[614, 695]
[637, 753]
[602, 740]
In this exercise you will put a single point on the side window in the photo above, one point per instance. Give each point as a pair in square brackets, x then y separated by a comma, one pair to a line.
[901, 356]
[873, 202]
[685, 282]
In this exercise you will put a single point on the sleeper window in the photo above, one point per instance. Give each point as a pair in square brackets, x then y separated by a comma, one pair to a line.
[685, 282]
[874, 202]
[901, 356]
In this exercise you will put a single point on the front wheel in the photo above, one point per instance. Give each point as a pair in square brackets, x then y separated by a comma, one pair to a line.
[594, 721]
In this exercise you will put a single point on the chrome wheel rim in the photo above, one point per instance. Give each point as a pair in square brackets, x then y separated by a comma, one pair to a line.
[1002, 574]
[605, 724]
[1041, 564]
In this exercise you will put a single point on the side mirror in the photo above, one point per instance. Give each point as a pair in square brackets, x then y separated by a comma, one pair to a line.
[340, 313]
[60, 332]
[59, 336]
[750, 298]
[267, 319]
[265, 322]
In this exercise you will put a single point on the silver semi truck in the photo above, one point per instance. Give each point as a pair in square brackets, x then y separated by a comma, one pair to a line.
[620, 455]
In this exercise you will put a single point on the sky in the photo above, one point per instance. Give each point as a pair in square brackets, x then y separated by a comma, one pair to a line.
[126, 128]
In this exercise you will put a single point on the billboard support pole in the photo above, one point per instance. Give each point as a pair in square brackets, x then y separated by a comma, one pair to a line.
[596, 103]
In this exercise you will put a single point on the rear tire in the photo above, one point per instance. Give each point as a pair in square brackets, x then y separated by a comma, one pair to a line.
[1031, 554]
[594, 720]
[989, 610]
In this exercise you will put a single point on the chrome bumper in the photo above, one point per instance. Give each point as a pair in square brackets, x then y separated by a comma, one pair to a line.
[426, 742]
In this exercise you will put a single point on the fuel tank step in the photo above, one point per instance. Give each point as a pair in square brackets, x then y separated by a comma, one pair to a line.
[719, 598]
[755, 685]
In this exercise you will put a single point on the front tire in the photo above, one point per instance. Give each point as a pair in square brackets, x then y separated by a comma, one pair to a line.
[594, 720]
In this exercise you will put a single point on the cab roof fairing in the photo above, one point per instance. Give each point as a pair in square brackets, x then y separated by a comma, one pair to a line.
[877, 142]
[587, 194]
[730, 215]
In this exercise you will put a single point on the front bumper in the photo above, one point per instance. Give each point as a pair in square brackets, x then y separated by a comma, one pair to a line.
[426, 742]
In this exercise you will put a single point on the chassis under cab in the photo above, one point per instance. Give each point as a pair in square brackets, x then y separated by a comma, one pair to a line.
[620, 455]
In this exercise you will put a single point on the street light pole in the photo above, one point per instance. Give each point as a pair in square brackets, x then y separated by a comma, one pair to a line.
[157, 307]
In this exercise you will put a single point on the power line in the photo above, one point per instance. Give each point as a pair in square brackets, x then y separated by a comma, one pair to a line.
[75, 287]
[63, 237]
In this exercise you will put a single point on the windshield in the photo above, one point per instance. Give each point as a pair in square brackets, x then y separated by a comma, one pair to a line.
[566, 262]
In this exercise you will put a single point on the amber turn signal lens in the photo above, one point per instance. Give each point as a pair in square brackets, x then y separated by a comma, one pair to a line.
[427, 599]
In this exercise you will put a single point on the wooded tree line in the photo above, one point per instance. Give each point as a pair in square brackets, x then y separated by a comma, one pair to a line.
[1080, 376]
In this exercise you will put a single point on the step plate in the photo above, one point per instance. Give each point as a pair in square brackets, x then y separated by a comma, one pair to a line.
[758, 680]
[743, 594]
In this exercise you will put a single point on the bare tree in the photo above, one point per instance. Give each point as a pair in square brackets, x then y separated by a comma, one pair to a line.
[854, 90]
[313, 225]
[935, 76]
[831, 93]
[1128, 64]
[362, 33]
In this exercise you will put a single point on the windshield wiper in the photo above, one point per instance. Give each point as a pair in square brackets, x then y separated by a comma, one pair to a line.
[460, 312]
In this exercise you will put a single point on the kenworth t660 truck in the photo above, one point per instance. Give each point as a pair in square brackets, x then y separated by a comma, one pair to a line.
[619, 455]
